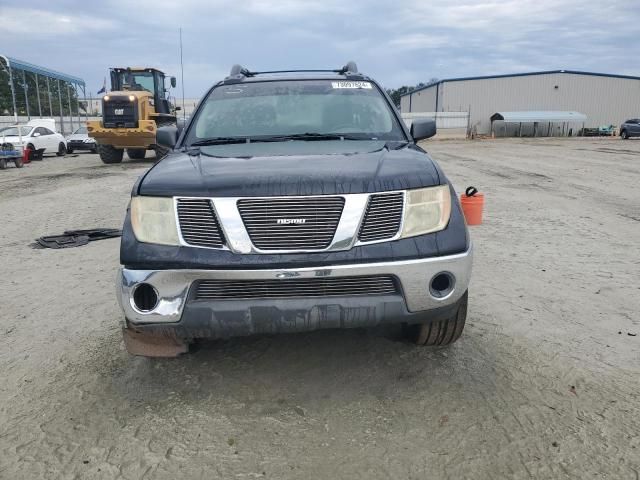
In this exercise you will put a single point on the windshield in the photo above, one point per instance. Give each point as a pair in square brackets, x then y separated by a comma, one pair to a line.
[355, 109]
[13, 131]
[80, 130]
[137, 81]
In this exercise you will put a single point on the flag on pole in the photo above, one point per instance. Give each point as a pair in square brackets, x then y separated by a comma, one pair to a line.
[104, 86]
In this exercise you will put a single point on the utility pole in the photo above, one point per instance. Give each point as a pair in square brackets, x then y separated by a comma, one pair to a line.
[38, 93]
[13, 93]
[61, 112]
[50, 101]
[69, 101]
[26, 95]
[182, 76]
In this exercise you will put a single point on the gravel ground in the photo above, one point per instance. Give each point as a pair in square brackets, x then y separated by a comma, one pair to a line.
[542, 384]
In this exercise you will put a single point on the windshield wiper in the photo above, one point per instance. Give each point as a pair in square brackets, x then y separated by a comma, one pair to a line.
[310, 136]
[316, 136]
[221, 141]
[277, 138]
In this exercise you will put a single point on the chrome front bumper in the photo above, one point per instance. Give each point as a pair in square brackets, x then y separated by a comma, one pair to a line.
[173, 287]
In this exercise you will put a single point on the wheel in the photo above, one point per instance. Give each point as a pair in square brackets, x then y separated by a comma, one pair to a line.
[62, 150]
[18, 162]
[32, 153]
[440, 332]
[69, 150]
[136, 153]
[109, 154]
[3, 164]
[624, 134]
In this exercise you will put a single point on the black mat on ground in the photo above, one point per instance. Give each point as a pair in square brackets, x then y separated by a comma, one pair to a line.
[76, 238]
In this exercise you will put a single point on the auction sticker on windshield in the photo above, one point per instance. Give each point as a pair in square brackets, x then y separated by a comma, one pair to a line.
[345, 84]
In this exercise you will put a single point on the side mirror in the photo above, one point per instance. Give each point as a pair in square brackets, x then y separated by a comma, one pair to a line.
[173, 82]
[422, 128]
[36, 134]
[178, 109]
[167, 136]
[181, 123]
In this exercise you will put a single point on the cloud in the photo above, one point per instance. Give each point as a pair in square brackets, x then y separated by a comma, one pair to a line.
[41, 24]
[402, 42]
[415, 41]
[293, 8]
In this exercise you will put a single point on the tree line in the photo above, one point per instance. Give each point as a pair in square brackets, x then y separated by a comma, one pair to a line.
[396, 93]
[67, 91]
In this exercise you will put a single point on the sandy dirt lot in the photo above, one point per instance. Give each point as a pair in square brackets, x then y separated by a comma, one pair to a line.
[544, 383]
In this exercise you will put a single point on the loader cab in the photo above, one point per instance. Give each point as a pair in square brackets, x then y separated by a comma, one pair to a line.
[146, 79]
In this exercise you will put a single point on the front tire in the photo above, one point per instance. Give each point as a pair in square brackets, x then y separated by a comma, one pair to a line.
[62, 150]
[32, 153]
[69, 150]
[109, 154]
[624, 135]
[136, 153]
[441, 332]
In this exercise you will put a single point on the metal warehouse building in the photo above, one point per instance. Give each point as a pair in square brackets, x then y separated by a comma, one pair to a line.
[604, 99]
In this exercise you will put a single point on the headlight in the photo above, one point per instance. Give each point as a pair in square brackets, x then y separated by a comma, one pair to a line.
[154, 221]
[427, 210]
[89, 140]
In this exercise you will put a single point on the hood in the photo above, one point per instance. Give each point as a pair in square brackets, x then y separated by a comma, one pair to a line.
[13, 140]
[290, 168]
[78, 136]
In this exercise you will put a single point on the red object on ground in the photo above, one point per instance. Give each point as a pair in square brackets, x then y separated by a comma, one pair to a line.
[472, 204]
[26, 157]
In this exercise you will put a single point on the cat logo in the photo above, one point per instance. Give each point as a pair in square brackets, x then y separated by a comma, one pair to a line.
[119, 111]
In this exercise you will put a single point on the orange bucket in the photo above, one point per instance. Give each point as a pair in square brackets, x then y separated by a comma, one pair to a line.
[472, 204]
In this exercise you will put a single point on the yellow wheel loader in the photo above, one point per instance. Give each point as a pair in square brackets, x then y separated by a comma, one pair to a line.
[132, 111]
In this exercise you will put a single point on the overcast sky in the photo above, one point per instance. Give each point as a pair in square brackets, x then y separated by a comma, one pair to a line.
[399, 42]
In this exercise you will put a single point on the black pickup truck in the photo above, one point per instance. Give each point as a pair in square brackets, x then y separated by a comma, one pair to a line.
[292, 201]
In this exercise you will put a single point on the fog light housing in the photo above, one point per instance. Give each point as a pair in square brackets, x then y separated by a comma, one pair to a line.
[441, 285]
[145, 297]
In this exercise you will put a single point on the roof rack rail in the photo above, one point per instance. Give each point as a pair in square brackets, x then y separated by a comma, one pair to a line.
[238, 72]
[350, 67]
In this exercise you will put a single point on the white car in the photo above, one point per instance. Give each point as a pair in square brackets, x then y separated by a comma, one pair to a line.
[79, 140]
[37, 135]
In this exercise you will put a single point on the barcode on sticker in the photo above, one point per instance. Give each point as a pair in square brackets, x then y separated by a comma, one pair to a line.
[346, 84]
